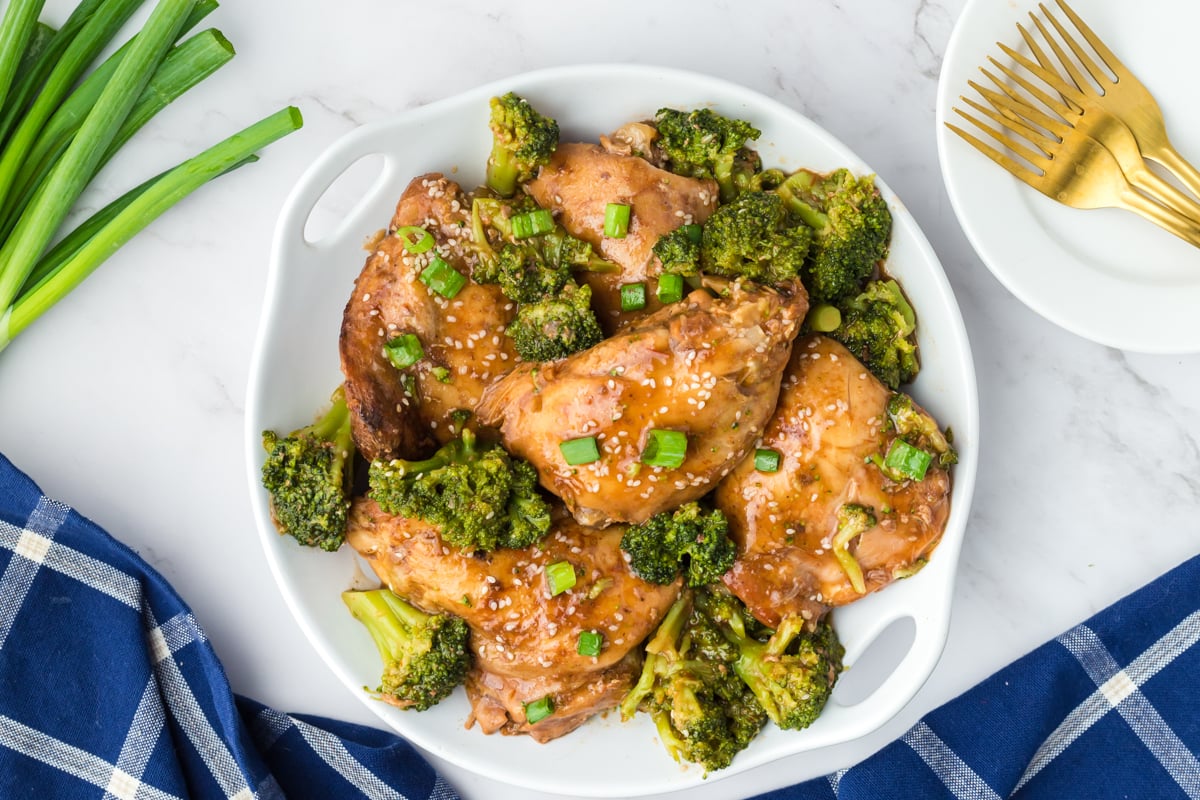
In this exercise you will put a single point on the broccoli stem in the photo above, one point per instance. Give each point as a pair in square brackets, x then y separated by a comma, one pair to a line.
[383, 619]
[502, 172]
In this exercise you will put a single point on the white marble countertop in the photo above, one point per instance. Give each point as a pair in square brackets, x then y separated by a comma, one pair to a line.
[126, 401]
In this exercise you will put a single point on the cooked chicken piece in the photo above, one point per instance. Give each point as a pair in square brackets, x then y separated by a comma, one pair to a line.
[579, 183]
[830, 420]
[463, 340]
[525, 641]
[708, 367]
[498, 701]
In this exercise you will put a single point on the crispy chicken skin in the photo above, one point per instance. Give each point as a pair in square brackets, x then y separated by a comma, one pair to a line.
[710, 367]
[463, 336]
[579, 183]
[525, 641]
[830, 419]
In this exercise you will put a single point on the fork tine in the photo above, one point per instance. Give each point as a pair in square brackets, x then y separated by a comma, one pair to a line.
[1018, 107]
[1050, 74]
[1057, 106]
[1106, 56]
[1081, 83]
[1041, 161]
[1018, 126]
[1019, 172]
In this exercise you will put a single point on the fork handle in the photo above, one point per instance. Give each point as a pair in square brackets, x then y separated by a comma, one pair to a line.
[1161, 216]
[1177, 165]
[1149, 183]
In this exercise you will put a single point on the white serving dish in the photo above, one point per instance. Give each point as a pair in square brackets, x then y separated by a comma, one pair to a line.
[295, 367]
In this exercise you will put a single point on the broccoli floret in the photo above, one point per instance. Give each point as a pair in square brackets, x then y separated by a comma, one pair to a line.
[556, 327]
[481, 497]
[851, 225]
[853, 520]
[791, 672]
[703, 144]
[522, 141]
[919, 429]
[679, 250]
[754, 237]
[424, 655]
[308, 475]
[687, 539]
[878, 327]
[703, 712]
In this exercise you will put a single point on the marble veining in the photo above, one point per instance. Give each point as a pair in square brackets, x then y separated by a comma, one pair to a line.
[126, 400]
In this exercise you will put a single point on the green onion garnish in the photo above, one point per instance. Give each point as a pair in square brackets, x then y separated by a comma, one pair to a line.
[560, 576]
[633, 297]
[670, 287]
[538, 710]
[823, 318]
[665, 449]
[590, 643]
[442, 278]
[404, 350]
[694, 232]
[907, 460]
[441, 373]
[616, 220]
[766, 460]
[535, 223]
[580, 451]
[416, 239]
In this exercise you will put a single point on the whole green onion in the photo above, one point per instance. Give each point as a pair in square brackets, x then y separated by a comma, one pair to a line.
[144, 209]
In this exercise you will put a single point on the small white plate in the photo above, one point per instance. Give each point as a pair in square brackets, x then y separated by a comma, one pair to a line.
[295, 367]
[1107, 274]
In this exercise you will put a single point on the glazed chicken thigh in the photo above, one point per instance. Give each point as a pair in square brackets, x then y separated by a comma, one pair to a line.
[708, 367]
[462, 338]
[579, 183]
[525, 641]
[829, 422]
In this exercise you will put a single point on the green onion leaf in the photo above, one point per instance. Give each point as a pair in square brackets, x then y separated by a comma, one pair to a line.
[580, 451]
[442, 278]
[694, 232]
[907, 460]
[670, 288]
[633, 297]
[538, 710]
[404, 351]
[560, 576]
[535, 223]
[590, 643]
[416, 239]
[16, 30]
[766, 460]
[616, 220]
[665, 449]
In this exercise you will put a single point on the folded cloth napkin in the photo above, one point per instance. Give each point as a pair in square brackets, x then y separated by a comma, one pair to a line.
[1109, 709]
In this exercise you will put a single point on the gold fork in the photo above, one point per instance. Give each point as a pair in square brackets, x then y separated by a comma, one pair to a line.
[1077, 171]
[1103, 128]
[1125, 98]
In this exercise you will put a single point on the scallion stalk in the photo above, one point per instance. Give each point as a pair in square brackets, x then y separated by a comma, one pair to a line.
[144, 209]
[39, 40]
[54, 198]
[183, 67]
[16, 30]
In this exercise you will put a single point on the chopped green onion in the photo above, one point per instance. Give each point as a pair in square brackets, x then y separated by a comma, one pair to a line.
[404, 351]
[538, 710]
[823, 318]
[590, 643]
[616, 220]
[633, 297]
[560, 576]
[416, 239]
[535, 223]
[442, 278]
[766, 460]
[907, 460]
[441, 373]
[694, 232]
[665, 449]
[580, 451]
[670, 287]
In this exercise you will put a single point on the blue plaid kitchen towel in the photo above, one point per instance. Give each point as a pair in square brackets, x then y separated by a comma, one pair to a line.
[1111, 709]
